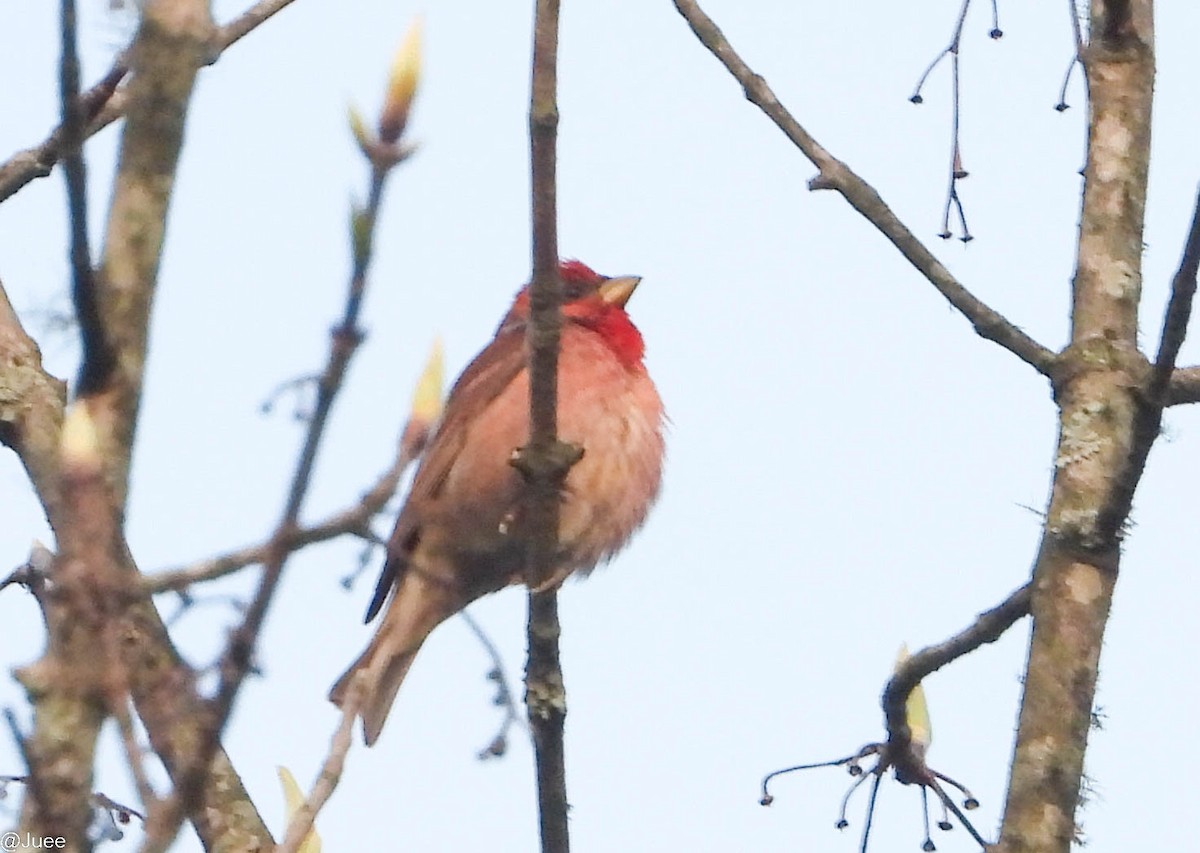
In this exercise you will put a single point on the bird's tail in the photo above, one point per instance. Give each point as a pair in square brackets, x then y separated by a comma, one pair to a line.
[418, 606]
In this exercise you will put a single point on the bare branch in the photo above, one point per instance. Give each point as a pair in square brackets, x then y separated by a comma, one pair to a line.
[1184, 386]
[862, 197]
[164, 692]
[1100, 387]
[38, 161]
[344, 340]
[504, 695]
[957, 171]
[248, 21]
[987, 628]
[301, 822]
[103, 104]
[134, 753]
[171, 44]
[545, 460]
[949, 50]
[97, 360]
[32, 782]
[1147, 424]
[1076, 57]
[66, 687]
[1179, 311]
[31, 408]
[352, 520]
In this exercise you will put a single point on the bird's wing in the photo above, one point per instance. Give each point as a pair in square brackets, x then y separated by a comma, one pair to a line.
[483, 381]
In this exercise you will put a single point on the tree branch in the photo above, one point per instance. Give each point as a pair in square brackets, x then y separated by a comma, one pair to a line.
[1147, 423]
[31, 408]
[247, 22]
[172, 43]
[31, 414]
[836, 175]
[1099, 386]
[1179, 311]
[987, 628]
[103, 104]
[383, 155]
[38, 161]
[1184, 386]
[354, 519]
[171, 46]
[301, 823]
[66, 687]
[545, 461]
[97, 359]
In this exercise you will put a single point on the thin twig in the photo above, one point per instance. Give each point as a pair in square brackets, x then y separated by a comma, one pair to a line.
[498, 745]
[957, 172]
[31, 411]
[352, 520]
[1179, 310]
[1184, 387]
[1147, 424]
[33, 574]
[949, 50]
[102, 104]
[767, 798]
[1076, 29]
[38, 161]
[236, 662]
[134, 753]
[907, 760]
[866, 836]
[545, 461]
[301, 822]
[948, 803]
[32, 782]
[245, 23]
[97, 355]
[862, 197]
[1076, 59]
[987, 628]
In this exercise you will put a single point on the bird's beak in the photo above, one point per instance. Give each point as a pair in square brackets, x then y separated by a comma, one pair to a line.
[616, 291]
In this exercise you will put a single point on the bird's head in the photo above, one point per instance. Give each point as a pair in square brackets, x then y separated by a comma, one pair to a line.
[593, 301]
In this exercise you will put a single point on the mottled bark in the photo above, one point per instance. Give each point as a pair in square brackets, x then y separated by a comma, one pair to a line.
[1099, 385]
[174, 41]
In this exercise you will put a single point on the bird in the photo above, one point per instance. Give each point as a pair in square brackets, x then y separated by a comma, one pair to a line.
[457, 536]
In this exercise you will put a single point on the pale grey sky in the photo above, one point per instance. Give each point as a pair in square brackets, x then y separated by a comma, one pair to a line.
[849, 466]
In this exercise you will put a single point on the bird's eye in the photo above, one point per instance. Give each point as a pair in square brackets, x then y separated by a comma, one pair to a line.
[575, 290]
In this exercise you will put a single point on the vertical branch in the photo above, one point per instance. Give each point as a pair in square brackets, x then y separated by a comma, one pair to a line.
[97, 359]
[383, 152]
[1099, 386]
[174, 40]
[546, 461]
[67, 685]
[189, 795]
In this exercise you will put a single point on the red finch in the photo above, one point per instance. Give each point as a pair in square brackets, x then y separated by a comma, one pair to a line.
[456, 537]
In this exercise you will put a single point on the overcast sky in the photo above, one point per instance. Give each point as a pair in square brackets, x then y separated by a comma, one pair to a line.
[849, 467]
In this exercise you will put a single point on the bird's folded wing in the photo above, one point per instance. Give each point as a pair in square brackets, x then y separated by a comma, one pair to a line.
[484, 379]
